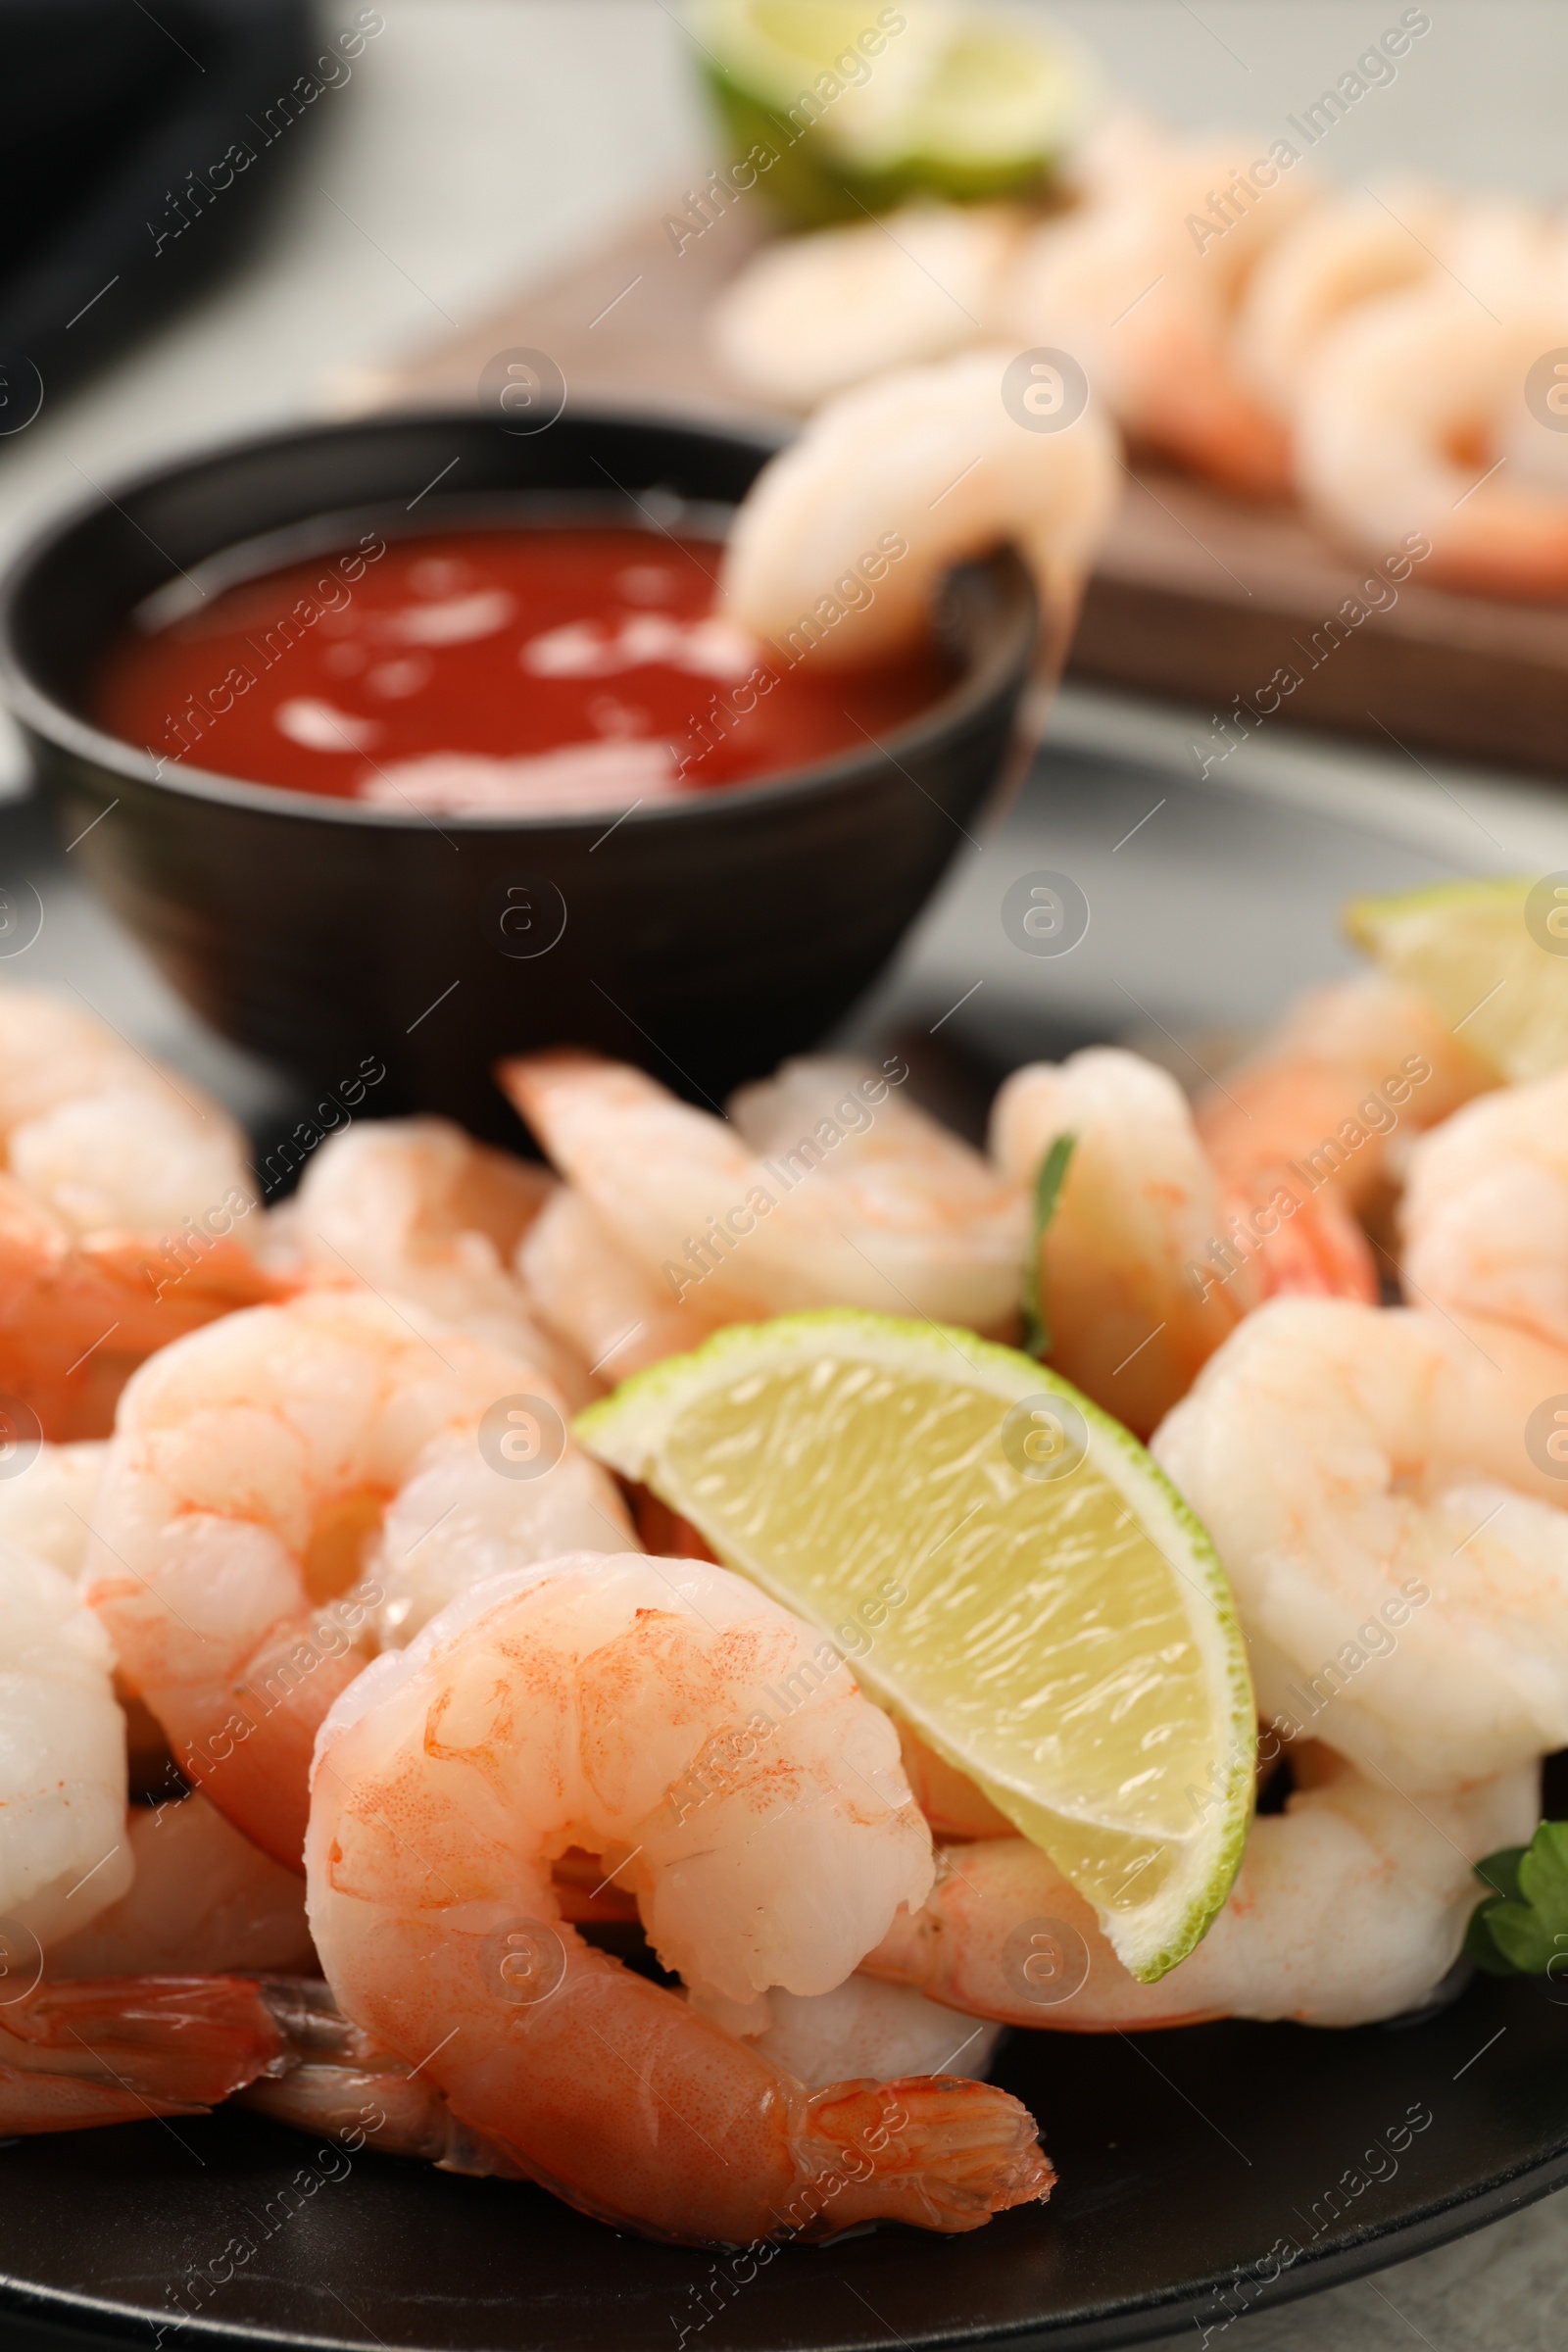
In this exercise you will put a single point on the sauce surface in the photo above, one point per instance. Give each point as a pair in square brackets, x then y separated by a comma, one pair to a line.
[503, 671]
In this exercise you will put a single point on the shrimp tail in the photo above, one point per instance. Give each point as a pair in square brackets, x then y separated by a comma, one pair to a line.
[940, 2152]
[113, 2049]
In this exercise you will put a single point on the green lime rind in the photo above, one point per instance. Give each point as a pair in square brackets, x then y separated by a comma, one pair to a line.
[814, 186]
[1476, 949]
[633, 1432]
[864, 108]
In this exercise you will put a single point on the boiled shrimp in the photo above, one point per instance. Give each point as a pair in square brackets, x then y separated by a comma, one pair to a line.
[1127, 1286]
[1306, 1132]
[342, 2082]
[1485, 1211]
[416, 1209]
[1146, 302]
[810, 316]
[247, 1477]
[1397, 1565]
[203, 1901]
[862, 2028]
[1354, 248]
[123, 1204]
[64, 1853]
[827, 1188]
[567, 1705]
[116, 2050]
[1349, 1906]
[843, 539]
[46, 1502]
[1415, 429]
[586, 1287]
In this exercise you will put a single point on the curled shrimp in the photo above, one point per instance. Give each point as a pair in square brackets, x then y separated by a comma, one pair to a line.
[1415, 430]
[1349, 1906]
[1126, 1284]
[863, 2027]
[1147, 303]
[341, 2081]
[417, 1209]
[1396, 1566]
[587, 1289]
[902, 477]
[1485, 1211]
[64, 1855]
[122, 1200]
[808, 315]
[1301, 1134]
[566, 1705]
[115, 2050]
[1350, 249]
[242, 1495]
[46, 1503]
[203, 1901]
[827, 1188]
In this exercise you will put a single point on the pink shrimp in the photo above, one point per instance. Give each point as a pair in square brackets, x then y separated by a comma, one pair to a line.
[244, 1492]
[669, 1716]
[122, 1209]
[1298, 1134]
[1350, 1906]
[113, 2051]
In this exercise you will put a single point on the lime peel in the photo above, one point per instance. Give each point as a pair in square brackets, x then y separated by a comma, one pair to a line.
[814, 1452]
[1477, 949]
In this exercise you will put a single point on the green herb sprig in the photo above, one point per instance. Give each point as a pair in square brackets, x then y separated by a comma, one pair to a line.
[1048, 1190]
[1521, 1929]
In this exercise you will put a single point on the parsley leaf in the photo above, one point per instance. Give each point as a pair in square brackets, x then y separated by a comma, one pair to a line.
[1521, 1929]
[1048, 1190]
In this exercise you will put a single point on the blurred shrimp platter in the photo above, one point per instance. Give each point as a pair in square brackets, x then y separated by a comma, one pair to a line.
[643, 1666]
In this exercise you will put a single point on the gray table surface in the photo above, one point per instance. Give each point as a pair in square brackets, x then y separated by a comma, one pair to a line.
[481, 141]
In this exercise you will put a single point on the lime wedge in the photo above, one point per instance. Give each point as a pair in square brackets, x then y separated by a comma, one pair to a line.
[863, 106]
[1493, 956]
[1006, 1569]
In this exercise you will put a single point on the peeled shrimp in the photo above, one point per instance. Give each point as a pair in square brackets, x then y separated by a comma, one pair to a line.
[122, 1203]
[862, 2028]
[1349, 1906]
[1127, 1285]
[1485, 1212]
[1358, 245]
[1305, 1132]
[1141, 285]
[1403, 1592]
[417, 1209]
[585, 1286]
[566, 1705]
[341, 2081]
[46, 1506]
[810, 316]
[1417, 428]
[250, 1470]
[828, 1188]
[844, 537]
[116, 2050]
[203, 1901]
[64, 1853]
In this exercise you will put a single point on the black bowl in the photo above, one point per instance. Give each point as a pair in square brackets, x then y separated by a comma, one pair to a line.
[704, 938]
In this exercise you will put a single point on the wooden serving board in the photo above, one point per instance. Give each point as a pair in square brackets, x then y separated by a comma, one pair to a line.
[1198, 597]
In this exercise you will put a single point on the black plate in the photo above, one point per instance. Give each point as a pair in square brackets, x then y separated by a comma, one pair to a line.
[1203, 2171]
[1184, 2159]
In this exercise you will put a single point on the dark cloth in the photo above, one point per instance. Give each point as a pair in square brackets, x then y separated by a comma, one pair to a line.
[114, 203]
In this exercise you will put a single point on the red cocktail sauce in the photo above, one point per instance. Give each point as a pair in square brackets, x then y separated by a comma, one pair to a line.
[502, 671]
